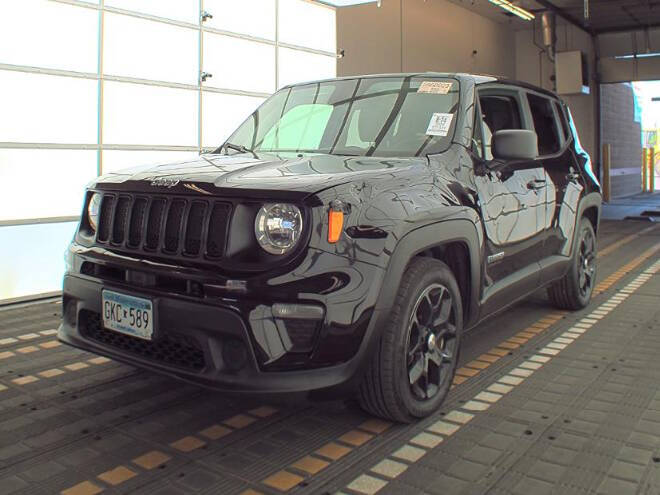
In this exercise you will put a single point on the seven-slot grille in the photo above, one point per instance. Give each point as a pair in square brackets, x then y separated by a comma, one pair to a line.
[165, 225]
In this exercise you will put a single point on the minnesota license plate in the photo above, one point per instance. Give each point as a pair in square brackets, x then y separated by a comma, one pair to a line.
[130, 315]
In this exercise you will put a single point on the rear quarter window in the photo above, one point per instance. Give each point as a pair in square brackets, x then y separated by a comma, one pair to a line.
[545, 124]
[562, 120]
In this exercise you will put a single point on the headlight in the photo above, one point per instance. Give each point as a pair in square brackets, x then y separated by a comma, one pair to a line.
[278, 227]
[93, 211]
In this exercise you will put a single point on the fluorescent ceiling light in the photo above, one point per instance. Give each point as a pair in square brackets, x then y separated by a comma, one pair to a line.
[345, 3]
[514, 9]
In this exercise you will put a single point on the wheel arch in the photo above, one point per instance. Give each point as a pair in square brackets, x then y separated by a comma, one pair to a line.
[455, 242]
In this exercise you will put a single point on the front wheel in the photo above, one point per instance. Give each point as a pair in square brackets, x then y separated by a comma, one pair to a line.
[413, 367]
[575, 289]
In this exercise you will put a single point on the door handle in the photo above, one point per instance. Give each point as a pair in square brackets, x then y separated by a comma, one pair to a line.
[536, 184]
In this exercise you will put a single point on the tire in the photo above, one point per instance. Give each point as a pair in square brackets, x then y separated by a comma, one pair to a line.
[574, 290]
[427, 288]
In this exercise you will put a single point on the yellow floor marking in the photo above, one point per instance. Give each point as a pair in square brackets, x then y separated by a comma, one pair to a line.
[333, 451]
[527, 335]
[283, 481]
[480, 365]
[250, 491]
[27, 350]
[489, 358]
[310, 465]
[51, 373]
[239, 421]
[509, 345]
[50, 344]
[375, 425]
[263, 411]
[151, 460]
[498, 352]
[355, 438]
[216, 431]
[98, 360]
[518, 340]
[6, 354]
[188, 444]
[621, 242]
[24, 380]
[466, 371]
[459, 379]
[76, 366]
[117, 475]
[84, 488]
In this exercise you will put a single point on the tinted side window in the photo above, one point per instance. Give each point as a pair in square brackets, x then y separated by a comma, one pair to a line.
[499, 112]
[562, 120]
[544, 124]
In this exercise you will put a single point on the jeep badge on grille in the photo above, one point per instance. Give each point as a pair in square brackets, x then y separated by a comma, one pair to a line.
[164, 182]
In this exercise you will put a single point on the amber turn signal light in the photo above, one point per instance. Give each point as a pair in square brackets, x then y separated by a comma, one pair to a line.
[335, 225]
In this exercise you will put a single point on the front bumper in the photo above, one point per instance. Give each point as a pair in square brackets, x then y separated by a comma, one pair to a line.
[222, 342]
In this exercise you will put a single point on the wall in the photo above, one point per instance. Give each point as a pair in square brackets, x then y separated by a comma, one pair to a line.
[536, 68]
[619, 129]
[418, 35]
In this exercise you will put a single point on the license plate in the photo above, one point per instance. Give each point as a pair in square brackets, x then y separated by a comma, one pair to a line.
[130, 315]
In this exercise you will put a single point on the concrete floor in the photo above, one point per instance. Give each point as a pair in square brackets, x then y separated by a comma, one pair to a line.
[544, 402]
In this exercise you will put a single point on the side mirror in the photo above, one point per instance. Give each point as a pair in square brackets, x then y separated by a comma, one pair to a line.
[515, 144]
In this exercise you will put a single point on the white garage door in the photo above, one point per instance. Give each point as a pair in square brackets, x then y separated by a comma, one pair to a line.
[95, 86]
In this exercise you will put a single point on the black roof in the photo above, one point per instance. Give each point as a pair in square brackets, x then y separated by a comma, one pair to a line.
[477, 78]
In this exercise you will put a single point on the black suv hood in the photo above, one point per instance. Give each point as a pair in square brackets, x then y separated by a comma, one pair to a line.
[222, 174]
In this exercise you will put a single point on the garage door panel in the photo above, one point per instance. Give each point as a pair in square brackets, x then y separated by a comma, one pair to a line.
[149, 115]
[40, 108]
[149, 50]
[239, 64]
[181, 10]
[222, 114]
[31, 260]
[45, 44]
[59, 188]
[306, 24]
[298, 66]
[238, 16]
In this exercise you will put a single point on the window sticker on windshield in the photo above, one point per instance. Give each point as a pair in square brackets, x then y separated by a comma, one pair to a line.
[440, 124]
[435, 87]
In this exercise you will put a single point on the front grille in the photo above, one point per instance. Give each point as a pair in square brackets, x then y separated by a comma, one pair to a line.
[172, 349]
[170, 226]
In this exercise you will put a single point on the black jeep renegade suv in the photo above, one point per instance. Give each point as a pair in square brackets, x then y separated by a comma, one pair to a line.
[340, 241]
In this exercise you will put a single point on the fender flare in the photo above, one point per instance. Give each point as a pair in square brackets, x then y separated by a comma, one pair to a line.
[416, 241]
[591, 199]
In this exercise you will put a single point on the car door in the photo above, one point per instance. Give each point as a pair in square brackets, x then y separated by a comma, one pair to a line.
[563, 180]
[512, 205]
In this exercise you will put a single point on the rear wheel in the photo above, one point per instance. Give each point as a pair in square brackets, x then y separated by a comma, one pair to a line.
[412, 369]
[575, 289]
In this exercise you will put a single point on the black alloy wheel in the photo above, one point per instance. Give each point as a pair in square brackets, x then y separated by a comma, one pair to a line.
[412, 368]
[587, 263]
[431, 346]
[573, 291]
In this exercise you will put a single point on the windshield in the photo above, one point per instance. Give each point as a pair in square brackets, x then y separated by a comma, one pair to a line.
[383, 116]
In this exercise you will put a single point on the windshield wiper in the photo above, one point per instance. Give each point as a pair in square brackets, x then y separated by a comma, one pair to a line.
[240, 148]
